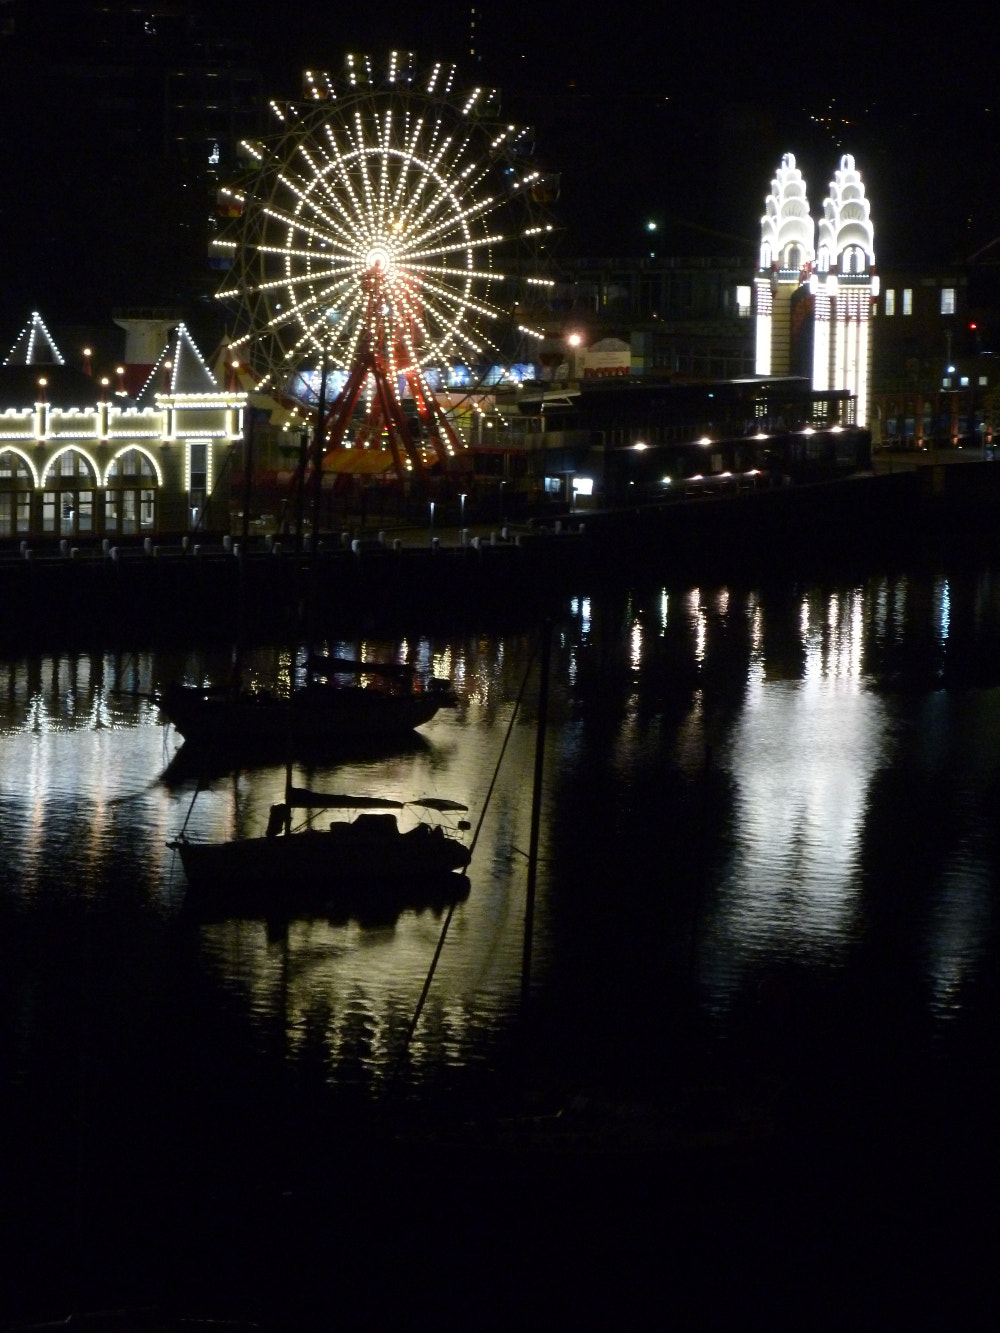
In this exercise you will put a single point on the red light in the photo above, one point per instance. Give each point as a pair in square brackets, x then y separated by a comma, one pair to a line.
[972, 326]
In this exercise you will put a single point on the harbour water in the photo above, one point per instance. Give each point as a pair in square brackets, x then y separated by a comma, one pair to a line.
[759, 1032]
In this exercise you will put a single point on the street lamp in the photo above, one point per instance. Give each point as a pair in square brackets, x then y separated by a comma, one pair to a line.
[461, 510]
[574, 341]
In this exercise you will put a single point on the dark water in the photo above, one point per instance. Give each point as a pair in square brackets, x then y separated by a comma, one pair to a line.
[759, 1056]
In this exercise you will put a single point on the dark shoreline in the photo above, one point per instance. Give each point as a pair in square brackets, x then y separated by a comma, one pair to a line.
[166, 595]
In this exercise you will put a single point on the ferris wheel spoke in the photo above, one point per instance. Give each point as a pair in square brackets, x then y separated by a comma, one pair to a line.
[305, 191]
[457, 218]
[350, 204]
[364, 150]
[460, 302]
[294, 226]
[342, 217]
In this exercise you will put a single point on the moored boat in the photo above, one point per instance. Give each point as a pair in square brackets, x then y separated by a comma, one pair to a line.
[382, 700]
[363, 856]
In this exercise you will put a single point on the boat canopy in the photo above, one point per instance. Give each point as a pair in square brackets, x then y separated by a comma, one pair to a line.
[303, 798]
[438, 803]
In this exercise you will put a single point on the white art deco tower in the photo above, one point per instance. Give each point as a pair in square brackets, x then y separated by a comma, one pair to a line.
[814, 298]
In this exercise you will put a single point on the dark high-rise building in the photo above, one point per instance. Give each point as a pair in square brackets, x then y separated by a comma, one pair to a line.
[122, 120]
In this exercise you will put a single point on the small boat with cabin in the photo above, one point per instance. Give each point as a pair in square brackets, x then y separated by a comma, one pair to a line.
[363, 856]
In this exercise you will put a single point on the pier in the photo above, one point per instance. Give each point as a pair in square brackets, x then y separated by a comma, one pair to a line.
[393, 578]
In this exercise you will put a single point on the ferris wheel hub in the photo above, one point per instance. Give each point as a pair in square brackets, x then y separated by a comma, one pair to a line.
[379, 257]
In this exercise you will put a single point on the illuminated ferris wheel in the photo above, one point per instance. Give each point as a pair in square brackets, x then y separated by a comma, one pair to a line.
[388, 254]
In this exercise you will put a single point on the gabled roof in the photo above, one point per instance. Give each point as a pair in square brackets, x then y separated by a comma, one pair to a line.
[34, 346]
[65, 386]
[180, 368]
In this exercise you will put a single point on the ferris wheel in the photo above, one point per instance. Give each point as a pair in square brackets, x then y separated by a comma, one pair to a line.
[387, 249]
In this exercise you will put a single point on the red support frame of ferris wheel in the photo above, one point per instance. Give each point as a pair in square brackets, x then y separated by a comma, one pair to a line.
[387, 413]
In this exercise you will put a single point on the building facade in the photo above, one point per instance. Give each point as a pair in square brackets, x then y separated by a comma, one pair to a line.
[936, 380]
[815, 284]
[79, 458]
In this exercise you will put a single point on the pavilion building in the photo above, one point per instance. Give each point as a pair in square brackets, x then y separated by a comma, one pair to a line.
[81, 457]
[815, 284]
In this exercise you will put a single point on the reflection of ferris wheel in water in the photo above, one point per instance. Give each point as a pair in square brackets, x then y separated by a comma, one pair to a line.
[387, 250]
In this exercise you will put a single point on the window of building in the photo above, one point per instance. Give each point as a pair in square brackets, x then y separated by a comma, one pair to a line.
[947, 300]
[890, 301]
[743, 302]
[907, 300]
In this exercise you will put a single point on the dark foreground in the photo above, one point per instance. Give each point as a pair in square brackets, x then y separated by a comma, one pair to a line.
[863, 1195]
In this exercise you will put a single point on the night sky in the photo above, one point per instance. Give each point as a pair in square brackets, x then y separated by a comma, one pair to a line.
[680, 116]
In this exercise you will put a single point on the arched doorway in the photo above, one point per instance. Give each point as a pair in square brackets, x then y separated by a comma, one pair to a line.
[69, 487]
[130, 494]
[17, 486]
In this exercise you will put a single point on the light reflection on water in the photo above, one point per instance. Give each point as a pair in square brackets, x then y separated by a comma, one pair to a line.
[761, 712]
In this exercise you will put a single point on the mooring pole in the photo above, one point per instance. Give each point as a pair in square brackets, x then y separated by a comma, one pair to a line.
[536, 808]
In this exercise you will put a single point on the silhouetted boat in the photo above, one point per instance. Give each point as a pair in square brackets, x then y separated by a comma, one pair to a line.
[361, 858]
[344, 700]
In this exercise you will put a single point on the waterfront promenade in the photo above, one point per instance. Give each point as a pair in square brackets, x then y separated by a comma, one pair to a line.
[397, 576]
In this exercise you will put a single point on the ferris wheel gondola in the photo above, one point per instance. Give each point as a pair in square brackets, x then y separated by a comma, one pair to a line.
[388, 252]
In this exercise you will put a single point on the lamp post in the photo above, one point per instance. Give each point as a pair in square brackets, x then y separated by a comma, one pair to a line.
[461, 510]
[574, 341]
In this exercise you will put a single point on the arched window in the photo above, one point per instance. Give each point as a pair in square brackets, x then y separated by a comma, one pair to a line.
[16, 489]
[68, 497]
[130, 494]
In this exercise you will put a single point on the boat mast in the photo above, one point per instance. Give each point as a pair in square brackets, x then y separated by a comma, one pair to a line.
[536, 807]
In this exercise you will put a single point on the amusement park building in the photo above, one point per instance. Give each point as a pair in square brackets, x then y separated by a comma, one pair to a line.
[814, 293]
[80, 457]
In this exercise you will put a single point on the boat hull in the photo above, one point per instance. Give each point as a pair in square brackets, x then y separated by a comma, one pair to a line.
[363, 866]
[315, 715]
